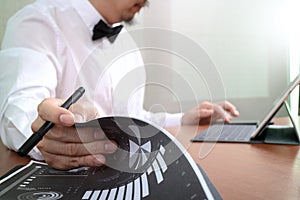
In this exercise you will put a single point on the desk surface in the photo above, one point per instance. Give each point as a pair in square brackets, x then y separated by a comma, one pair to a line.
[239, 171]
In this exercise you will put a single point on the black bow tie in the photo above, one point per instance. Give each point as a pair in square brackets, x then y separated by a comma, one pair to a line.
[103, 30]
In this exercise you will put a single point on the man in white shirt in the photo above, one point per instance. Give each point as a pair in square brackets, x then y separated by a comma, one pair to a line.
[47, 52]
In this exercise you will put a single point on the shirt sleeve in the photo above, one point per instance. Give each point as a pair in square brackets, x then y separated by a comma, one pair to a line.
[20, 93]
[163, 119]
[173, 119]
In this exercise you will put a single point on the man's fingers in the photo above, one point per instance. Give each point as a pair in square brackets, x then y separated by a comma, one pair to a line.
[84, 111]
[75, 135]
[207, 112]
[50, 110]
[78, 149]
[221, 113]
[63, 162]
[229, 107]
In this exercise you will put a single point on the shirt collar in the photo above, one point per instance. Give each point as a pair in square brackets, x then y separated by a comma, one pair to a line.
[87, 12]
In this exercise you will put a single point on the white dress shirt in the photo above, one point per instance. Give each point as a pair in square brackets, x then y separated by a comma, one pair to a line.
[47, 51]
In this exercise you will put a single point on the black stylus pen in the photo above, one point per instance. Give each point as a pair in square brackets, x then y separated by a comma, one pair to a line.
[38, 135]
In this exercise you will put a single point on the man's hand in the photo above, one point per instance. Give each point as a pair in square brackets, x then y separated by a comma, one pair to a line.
[64, 147]
[208, 112]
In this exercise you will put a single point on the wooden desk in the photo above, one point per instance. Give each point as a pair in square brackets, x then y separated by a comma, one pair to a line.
[10, 159]
[247, 171]
[239, 171]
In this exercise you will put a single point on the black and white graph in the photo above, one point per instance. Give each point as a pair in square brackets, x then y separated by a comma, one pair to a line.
[149, 164]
